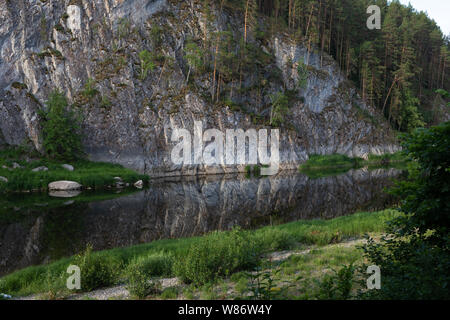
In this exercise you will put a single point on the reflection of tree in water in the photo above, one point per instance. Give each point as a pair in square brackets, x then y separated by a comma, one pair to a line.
[63, 231]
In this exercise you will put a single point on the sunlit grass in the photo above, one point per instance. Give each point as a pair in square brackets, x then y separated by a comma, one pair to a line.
[315, 232]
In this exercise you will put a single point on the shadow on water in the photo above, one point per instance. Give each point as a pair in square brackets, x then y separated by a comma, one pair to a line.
[36, 229]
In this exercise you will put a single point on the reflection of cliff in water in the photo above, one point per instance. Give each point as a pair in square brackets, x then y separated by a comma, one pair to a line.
[186, 207]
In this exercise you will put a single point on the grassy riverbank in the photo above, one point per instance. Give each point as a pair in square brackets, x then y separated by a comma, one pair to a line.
[16, 165]
[198, 261]
[325, 165]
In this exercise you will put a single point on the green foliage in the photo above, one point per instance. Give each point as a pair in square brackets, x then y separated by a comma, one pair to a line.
[89, 90]
[124, 28]
[261, 285]
[147, 63]
[156, 33]
[318, 166]
[96, 271]
[60, 129]
[396, 68]
[155, 264]
[338, 285]
[194, 57]
[273, 240]
[444, 94]
[280, 108]
[406, 112]
[96, 175]
[333, 160]
[302, 75]
[169, 293]
[415, 257]
[254, 171]
[219, 254]
[216, 254]
[139, 283]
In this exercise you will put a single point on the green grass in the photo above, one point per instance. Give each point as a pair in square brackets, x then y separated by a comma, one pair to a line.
[95, 175]
[315, 232]
[333, 160]
[318, 166]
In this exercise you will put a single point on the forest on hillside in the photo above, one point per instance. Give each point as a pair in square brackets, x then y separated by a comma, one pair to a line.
[398, 69]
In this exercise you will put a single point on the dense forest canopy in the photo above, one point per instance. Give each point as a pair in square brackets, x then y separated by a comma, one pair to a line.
[397, 68]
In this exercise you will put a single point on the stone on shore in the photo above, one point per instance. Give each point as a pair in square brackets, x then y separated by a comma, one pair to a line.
[3, 179]
[17, 166]
[64, 186]
[68, 167]
[38, 169]
[139, 184]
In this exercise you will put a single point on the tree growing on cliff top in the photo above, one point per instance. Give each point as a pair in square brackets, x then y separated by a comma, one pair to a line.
[60, 129]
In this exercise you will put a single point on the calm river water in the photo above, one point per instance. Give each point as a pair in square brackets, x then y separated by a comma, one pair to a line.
[36, 229]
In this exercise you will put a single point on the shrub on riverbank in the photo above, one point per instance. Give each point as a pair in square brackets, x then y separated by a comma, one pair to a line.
[415, 257]
[217, 255]
[96, 271]
[241, 248]
[139, 282]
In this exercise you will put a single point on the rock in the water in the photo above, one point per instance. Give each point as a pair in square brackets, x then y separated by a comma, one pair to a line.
[3, 179]
[38, 169]
[139, 184]
[68, 167]
[64, 186]
[64, 194]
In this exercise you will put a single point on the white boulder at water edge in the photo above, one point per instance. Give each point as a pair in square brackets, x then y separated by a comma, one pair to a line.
[64, 186]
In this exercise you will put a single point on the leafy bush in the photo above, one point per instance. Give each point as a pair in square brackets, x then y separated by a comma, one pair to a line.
[156, 265]
[337, 286]
[218, 254]
[169, 293]
[303, 74]
[96, 271]
[147, 63]
[60, 129]
[280, 108]
[194, 56]
[272, 240]
[139, 283]
[415, 258]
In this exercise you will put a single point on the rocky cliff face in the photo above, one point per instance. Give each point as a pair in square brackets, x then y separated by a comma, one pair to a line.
[129, 119]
